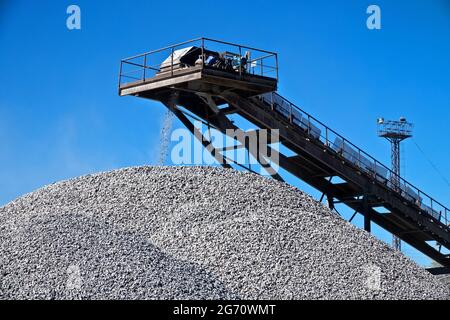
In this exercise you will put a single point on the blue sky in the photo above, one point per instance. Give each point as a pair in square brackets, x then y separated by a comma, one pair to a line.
[61, 117]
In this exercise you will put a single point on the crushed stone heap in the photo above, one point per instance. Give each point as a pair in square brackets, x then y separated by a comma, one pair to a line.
[193, 233]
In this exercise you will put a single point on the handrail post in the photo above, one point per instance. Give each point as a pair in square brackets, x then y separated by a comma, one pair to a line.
[359, 158]
[120, 74]
[145, 67]
[290, 112]
[171, 64]
[240, 62]
[375, 169]
[276, 62]
[271, 101]
[203, 52]
[309, 125]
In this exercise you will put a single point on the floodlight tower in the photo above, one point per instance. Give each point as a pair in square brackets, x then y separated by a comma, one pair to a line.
[395, 132]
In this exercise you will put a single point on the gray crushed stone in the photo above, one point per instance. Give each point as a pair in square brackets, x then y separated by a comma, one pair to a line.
[193, 233]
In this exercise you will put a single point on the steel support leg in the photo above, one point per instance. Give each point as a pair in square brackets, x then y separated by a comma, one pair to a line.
[367, 224]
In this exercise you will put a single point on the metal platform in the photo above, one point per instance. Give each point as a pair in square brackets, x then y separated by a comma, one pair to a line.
[212, 93]
[140, 75]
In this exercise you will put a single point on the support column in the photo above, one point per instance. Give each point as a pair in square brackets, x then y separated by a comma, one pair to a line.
[330, 201]
[367, 224]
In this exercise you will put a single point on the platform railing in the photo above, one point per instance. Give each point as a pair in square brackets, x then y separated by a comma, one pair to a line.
[361, 160]
[147, 65]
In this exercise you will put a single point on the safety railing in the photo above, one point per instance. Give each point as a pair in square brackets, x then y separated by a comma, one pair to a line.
[200, 53]
[349, 152]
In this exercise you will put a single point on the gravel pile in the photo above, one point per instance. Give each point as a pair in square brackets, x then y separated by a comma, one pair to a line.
[193, 233]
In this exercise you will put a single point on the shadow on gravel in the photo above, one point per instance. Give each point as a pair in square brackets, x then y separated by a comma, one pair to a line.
[72, 256]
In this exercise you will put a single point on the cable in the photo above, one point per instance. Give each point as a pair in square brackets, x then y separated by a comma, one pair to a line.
[403, 160]
[432, 164]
